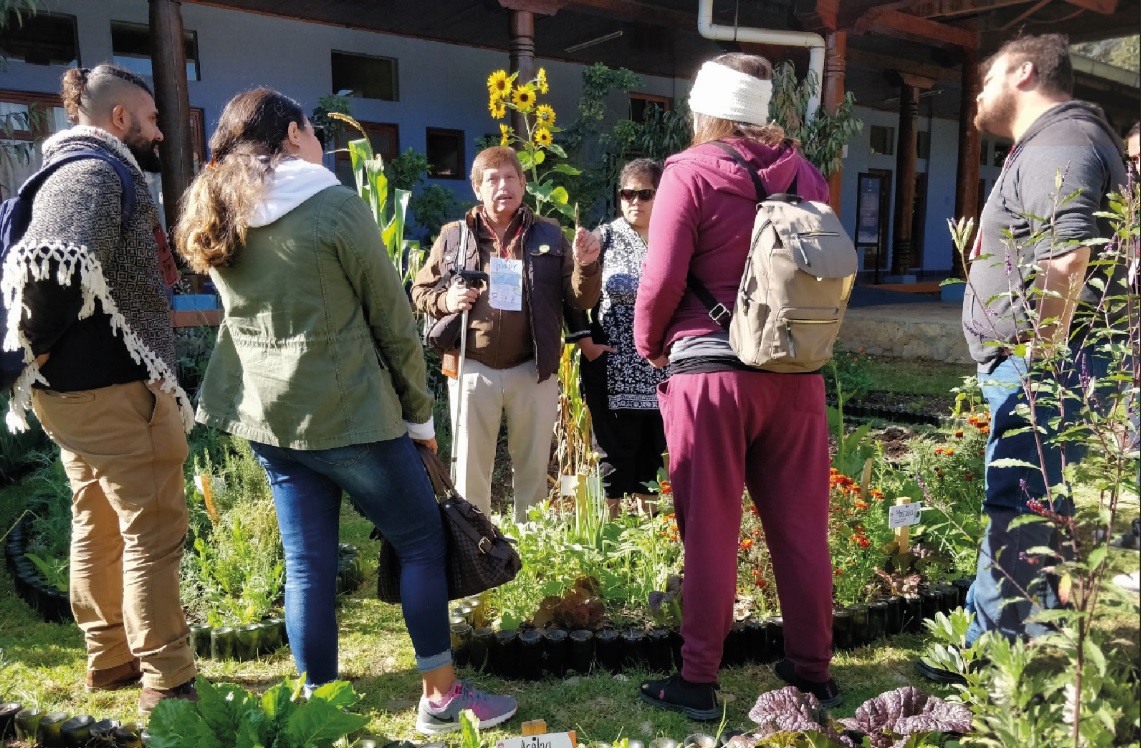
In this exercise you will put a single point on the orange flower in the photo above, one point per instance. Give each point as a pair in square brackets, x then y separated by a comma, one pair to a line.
[666, 489]
[877, 494]
[949, 451]
[959, 434]
[861, 505]
[838, 571]
[746, 544]
[969, 476]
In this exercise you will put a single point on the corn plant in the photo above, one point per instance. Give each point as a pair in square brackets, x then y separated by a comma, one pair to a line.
[389, 205]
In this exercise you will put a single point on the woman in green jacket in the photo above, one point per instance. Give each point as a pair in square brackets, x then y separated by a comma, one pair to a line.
[319, 366]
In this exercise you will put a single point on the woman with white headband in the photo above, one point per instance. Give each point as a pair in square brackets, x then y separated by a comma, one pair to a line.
[729, 426]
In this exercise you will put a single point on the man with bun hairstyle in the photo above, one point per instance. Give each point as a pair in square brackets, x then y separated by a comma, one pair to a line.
[86, 288]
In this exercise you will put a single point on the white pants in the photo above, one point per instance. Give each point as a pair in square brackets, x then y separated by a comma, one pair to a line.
[531, 408]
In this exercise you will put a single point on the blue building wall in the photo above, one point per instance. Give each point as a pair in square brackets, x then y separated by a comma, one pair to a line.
[440, 86]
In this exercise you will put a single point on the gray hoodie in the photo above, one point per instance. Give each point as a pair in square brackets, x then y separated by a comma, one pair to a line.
[1073, 142]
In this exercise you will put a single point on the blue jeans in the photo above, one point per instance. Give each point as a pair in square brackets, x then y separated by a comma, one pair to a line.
[1008, 585]
[387, 482]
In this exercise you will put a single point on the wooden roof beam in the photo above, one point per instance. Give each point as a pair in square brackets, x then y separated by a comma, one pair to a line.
[1105, 7]
[897, 24]
[640, 12]
[951, 8]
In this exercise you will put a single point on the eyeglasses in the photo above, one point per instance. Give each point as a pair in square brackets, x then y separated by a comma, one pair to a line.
[643, 195]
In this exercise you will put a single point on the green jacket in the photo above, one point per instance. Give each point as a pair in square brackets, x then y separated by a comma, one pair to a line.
[318, 347]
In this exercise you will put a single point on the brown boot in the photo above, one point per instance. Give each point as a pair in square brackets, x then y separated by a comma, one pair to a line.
[152, 696]
[114, 678]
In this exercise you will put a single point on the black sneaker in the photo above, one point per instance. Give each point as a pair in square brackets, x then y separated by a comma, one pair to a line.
[828, 693]
[939, 675]
[698, 701]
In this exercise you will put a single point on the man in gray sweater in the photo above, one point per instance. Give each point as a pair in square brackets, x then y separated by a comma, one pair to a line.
[1030, 271]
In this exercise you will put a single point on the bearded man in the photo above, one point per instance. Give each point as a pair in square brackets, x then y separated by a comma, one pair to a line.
[1030, 272]
[85, 287]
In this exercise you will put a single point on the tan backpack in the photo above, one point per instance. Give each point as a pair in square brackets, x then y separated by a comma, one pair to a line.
[795, 287]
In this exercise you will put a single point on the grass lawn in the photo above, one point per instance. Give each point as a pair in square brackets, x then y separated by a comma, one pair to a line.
[46, 665]
[46, 662]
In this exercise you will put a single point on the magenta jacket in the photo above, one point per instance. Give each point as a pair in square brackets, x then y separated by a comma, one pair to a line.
[702, 220]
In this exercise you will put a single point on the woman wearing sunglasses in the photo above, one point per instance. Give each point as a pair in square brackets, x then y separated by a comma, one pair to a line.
[620, 387]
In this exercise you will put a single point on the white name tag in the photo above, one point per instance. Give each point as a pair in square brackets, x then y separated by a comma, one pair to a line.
[548, 740]
[903, 515]
[506, 290]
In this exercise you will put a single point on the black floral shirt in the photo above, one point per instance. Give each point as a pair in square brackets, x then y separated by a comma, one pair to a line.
[631, 382]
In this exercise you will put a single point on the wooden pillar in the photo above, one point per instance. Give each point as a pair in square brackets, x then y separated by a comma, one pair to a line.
[905, 158]
[522, 50]
[967, 174]
[168, 60]
[835, 66]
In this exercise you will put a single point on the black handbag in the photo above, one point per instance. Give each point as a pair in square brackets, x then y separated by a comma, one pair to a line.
[478, 555]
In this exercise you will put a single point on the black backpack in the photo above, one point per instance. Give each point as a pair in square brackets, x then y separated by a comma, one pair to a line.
[16, 214]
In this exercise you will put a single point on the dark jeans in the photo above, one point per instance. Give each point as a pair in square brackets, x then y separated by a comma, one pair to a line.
[1009, 585]
[387, 482]
[629, 443]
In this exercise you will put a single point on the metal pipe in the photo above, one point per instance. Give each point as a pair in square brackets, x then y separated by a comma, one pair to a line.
[814, 43]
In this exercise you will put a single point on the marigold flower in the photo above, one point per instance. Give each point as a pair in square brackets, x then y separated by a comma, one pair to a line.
[877, 494]
[861, 505]
[949, 451]
[523, 97]
[838, 571]
[499, 84]
[969, 476]
[541, 82]
[746, 544]
[504, 135]
[544, 115]
[497, 107]
[543, 137]
[959, 434]
[666, 489]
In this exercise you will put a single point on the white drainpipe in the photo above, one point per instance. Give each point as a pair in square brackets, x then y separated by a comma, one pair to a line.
[814, 42]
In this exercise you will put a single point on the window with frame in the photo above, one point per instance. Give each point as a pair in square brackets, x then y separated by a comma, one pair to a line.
[640, 103]
[131, 49]
[365, 76]
[445, 151]
[26, 121]
[923, 144]
[1001, 151]
[41, 39]
[881, 140]
[385, 140]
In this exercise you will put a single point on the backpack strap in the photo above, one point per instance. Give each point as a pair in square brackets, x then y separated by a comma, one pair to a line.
[127, 208]
[718, 312]
[761, 194]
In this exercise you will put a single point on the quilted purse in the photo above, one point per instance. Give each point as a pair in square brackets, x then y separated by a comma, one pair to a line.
[479, 556]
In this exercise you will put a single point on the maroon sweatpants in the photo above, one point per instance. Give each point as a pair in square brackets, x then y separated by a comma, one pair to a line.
[726, 431]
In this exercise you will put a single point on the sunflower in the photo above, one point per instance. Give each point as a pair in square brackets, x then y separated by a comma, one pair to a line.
[498, 85]
[497, 107]
[544, 115]
[524, 97]
[543, 137]
[504, 135]
[541, 81]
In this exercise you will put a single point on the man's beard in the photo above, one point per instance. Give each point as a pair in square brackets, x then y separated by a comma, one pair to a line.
[144, 151]
[998, 117]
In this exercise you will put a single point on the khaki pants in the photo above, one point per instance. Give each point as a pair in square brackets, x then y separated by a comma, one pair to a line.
[531, 408]
[123, 448]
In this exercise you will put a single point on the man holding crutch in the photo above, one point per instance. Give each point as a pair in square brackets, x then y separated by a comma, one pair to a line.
[513, 327]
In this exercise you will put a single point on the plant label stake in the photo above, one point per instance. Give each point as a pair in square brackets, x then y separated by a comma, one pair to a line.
[546, 740]
[865, 480]
[900, 518]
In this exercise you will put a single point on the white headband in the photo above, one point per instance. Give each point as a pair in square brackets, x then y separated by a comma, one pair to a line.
[723, 92]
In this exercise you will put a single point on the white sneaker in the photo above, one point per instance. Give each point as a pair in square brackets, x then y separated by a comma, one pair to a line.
[1129, 582]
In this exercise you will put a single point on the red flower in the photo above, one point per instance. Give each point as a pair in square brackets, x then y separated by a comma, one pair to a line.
[959, 434]
[746, 544]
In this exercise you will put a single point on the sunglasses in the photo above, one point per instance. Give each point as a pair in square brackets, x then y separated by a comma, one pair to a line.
[643, 195]
[319, 131]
